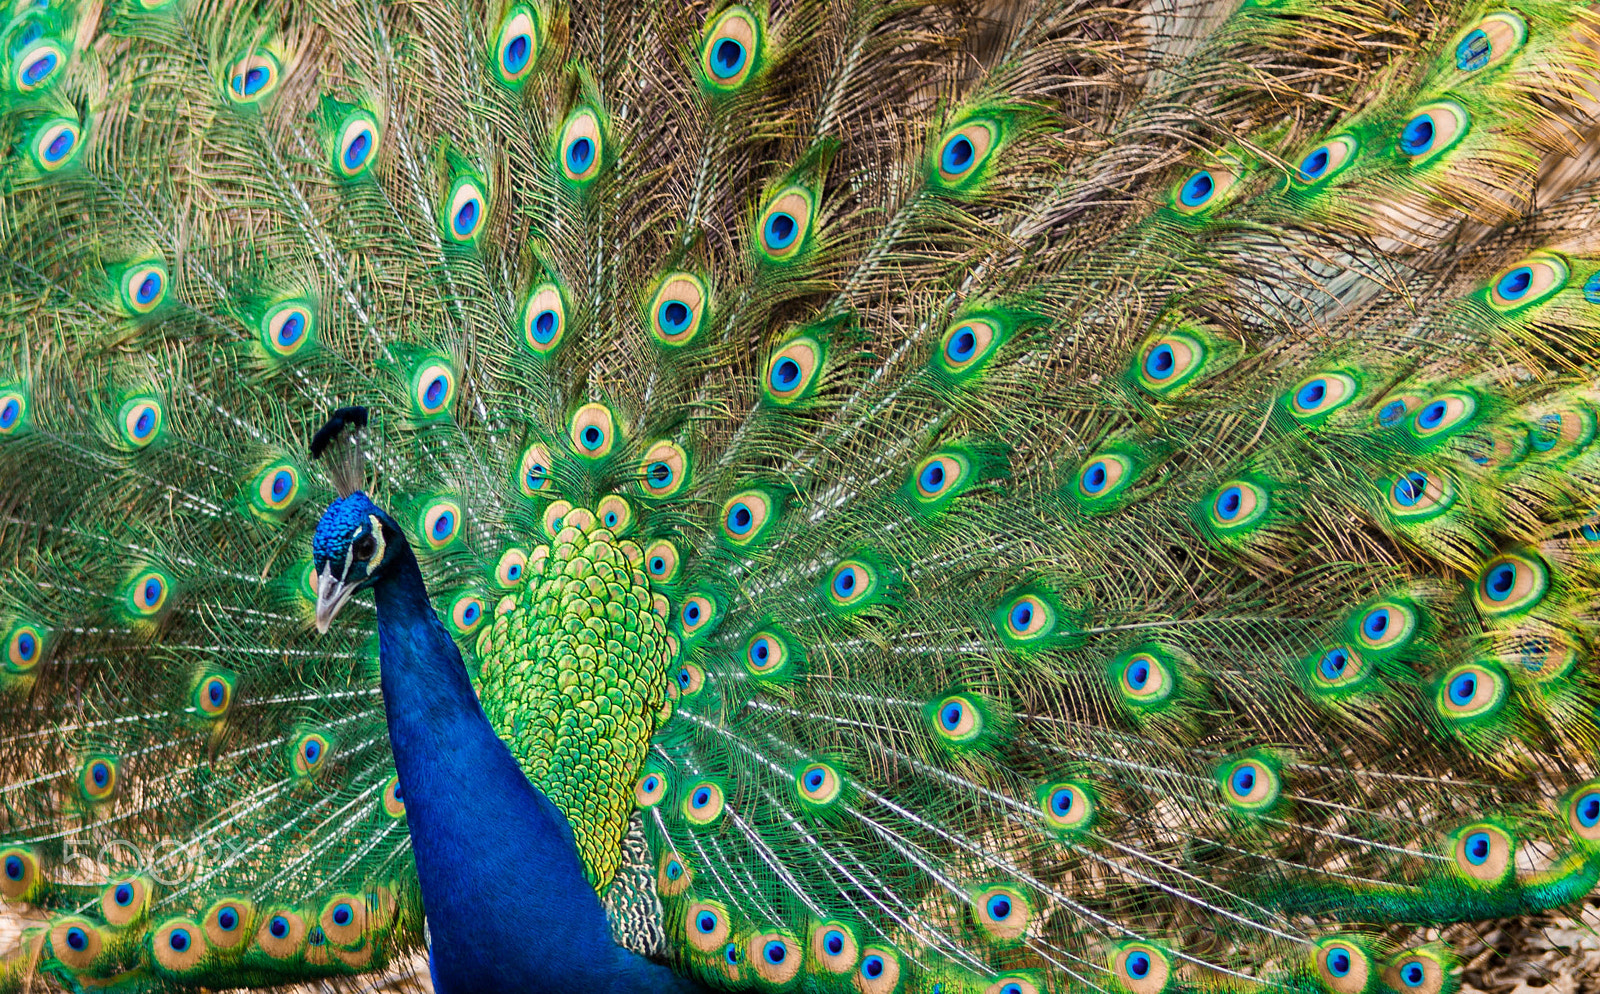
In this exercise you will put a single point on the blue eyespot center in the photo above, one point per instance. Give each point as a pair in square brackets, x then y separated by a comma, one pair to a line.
[781, 230]
[254, 80]
[215, 691]
[435, 392]
[580, 155]
[1376, 623]
[1309, 397]
[651, 784]
[60, 145]
[592, 437]
[999, 907]
[691, 614]
[1412, 975]
[1138, 674]
[77, 939]
[785, 374]
[674, 869]
[355, 153]
[39, 68]
[281, 482]
[1138, 965]
[516, 54]
[1500, 581]
[1392, 412]
[739, 518]
[544, 327]
[1476, 848]
[101, 773]
[227, 919]
[706, 922]
[1515, 284]
[760, 651]
[1472, 53]
[343, 914]
[833, 942]
[10, 412]
[1197, 189]
[444, 524]
[845, 583]
[1338, 961]
[1417, 137]
[950, 717]
[26, 645]
[279, 926]
[775, 952]
[1244, 780]
[149, 287]
[872, 967]
[1410, 488]
[123, 895]
[466, 218]
[1022, 616]
[289, 332]
[1587, 809]
[1096, 477]
[932, 479]
[1061, 802]
[471, 614]
[1463, 689]
[814, 779]
[962, 346]
[1229, 502]
[1160, 363]
[1315, 164]
[701, 797]
[727, 58]
[675, 316]
[958, 156]
[178, 939]
[15, 868]
[1433, 415]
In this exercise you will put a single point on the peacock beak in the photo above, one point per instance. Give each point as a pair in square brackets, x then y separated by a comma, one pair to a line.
[331, 596]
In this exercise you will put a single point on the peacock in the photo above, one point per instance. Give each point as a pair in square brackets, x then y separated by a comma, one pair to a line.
[932, 497]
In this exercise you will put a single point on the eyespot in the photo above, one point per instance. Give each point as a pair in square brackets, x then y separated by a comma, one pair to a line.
[1341, 965]
[765, 654]
[593, 432]
[56, 144]
[517, 47]
[1237, 505]
[1066, 806]
[467, 613]
[746, 517]
[533, 473]
[1167, 363]
[252, 78]
[25, 647]
[147, 594]
[144, 287]
[776, 957]
[1510, 584]
[1471, 690]
[310, 753]
[97, 779]
[440, 523]
[1002, 912]
[956, 719]
[1433, 129]
[433, 387]
[673, 874]
[1483, 853]
[1583, 812]
[615, 514]
[1144, 679]
[1591, 288]
[38, 66]
[1337, 668]
[677, 309]
[940, 477]
[1249, 784]
[393, 799]
[1318, 396]
[833, 947]
[75, 942]
[276, 488]
[1385, 626]
[1490, 41]
[689, 679]
[698, 610]
[282, 934]
[19, 873]
[228, 922]
[287, 328]
[1012, 985]
[661, 561]
[1393, 409]
[1415, 972]
[706, 926]
[1202, 189]
[1026, 617]
[1142, 968]
[544, 319]
[1444, 414]
[650, 789]
[786, 224]
[1104, 476]
[1531, 281]
[702, 803]
[1417, 494]
[879, 972]
[1327, 160]
[792, 370]
[141, 420]
[581, 147]
[731, 48]
[466, 209]
[966, 345]
[353, 150]
[819, 784]
[214, 695]
[1558, 433]
[852, 583]
[344, 919]
[13, 411]
[512, 568]
[963, 150]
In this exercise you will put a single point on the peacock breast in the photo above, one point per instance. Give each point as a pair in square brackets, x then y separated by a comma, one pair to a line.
[573, 675]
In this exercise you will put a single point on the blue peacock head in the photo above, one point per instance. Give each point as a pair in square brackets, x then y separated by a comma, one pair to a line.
[355, 539]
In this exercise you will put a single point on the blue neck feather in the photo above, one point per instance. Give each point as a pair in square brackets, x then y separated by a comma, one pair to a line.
[507, 903]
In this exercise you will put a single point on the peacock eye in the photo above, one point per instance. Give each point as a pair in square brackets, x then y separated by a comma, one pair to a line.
[365, 547]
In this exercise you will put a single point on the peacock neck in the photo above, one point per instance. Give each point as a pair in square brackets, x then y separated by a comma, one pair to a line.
[508, 904]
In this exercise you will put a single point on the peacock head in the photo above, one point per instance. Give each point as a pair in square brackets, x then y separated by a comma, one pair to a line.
[351, 551]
